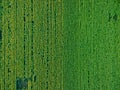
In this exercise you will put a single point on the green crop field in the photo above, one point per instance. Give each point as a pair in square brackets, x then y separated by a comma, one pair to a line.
[59, 44]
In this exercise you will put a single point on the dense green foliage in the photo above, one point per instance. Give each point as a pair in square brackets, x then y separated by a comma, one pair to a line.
[59, 45]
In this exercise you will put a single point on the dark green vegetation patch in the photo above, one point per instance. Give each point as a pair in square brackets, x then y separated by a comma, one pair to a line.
[21, 84]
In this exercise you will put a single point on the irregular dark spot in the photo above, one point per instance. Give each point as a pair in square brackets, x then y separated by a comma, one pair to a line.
[47, 85]
[88, 77]
[9, 70]
[35, 78]
[0, 34]
[32, 22]
[81, 3]
[24, 18]
[109, 17]
[115, 17]
[1, 7]
[21, 84]
[9, 5]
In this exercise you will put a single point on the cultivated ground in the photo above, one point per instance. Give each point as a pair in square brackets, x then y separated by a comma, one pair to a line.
[59, 45]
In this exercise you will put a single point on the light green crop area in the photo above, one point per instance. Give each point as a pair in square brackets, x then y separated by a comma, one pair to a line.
[59, 45]
[32, 45]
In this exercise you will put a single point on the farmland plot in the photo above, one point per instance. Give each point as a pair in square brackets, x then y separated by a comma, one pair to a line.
[59, 45]
[32, 45]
